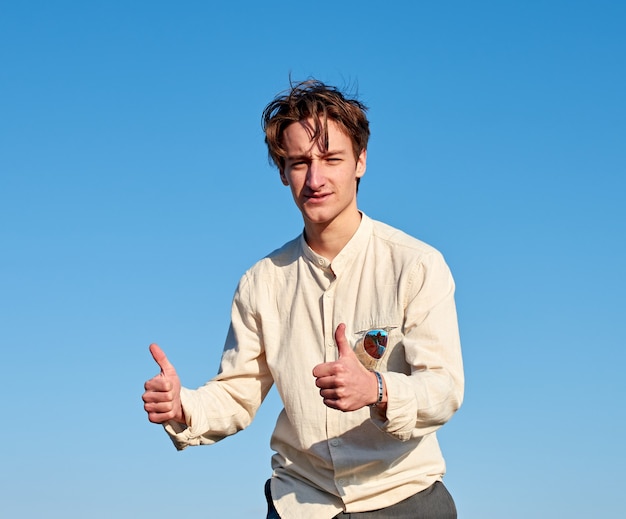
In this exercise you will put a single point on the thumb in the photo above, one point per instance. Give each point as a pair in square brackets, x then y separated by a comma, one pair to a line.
[161, 359]
[343, 346]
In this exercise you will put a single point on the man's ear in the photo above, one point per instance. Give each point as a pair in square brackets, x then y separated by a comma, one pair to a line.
[361, 164]
[283, 178]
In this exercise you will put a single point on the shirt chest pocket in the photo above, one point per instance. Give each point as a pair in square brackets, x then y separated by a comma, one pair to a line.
[378, 345]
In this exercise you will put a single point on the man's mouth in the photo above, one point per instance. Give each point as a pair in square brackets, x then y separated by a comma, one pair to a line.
[317, 197]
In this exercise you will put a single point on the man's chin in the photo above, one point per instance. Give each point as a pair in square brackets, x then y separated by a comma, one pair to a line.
[316, 217]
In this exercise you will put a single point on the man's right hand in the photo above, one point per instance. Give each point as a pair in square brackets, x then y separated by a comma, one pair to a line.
[162, 392]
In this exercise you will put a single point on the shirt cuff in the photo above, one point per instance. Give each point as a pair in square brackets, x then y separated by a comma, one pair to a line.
[400, 416]
[179, 433]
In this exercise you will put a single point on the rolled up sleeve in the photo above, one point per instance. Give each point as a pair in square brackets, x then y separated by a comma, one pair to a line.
[227, 403]
[422, 401]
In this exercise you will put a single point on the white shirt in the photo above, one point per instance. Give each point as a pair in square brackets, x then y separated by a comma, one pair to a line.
[284, 315]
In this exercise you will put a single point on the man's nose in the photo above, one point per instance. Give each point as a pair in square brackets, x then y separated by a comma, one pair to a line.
[315, 176]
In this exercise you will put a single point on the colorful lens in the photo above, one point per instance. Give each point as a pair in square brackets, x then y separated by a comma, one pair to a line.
[375, 343]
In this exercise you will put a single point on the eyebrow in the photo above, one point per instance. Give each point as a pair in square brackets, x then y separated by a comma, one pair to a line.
[299, 156]
[307, 156]
[334, 152]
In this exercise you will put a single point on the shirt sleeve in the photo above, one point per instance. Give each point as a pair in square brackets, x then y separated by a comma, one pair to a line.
[228, 403]
[421, 402]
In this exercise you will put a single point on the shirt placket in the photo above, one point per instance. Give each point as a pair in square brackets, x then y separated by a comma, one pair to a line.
[333, 426]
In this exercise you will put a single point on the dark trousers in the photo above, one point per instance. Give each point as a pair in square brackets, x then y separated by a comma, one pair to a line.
[433, 503]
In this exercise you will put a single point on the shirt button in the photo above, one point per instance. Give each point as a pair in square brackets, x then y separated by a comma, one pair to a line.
[334, 443]
[341, 482]
[321, 262]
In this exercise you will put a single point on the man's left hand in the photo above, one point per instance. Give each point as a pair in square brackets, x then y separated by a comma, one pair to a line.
[345, 384]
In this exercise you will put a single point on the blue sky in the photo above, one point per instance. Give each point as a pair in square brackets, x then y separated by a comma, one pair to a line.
[135, 190]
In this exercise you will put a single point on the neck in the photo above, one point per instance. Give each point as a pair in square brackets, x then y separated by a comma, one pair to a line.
[329, 238]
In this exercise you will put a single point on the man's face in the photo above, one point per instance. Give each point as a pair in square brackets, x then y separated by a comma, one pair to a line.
[322, 181]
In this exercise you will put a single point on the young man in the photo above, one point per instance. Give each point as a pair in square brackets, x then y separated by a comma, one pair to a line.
[354, 322]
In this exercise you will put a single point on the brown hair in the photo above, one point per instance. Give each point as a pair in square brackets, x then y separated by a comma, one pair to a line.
[312, 98]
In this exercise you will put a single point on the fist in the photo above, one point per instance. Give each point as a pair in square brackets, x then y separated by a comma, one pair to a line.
[161, 398]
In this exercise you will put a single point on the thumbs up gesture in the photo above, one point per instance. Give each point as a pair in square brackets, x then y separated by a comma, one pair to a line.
[345, 384]
[162, 392]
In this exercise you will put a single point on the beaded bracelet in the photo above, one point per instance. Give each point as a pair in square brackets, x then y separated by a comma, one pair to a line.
[379, 379]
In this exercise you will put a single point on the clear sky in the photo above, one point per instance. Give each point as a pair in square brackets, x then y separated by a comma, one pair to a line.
[135, 190]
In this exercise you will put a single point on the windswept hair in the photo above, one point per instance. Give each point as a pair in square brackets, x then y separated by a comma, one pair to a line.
[313, 99]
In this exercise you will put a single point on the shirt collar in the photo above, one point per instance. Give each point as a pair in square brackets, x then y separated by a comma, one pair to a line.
[346, 256]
